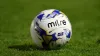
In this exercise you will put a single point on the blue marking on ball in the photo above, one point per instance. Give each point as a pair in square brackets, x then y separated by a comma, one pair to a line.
[68, 35]
[40, 16]
[56, 12]
[53, 14]
[47, 15]
[42, 32]
[54, 37]
[60, 34]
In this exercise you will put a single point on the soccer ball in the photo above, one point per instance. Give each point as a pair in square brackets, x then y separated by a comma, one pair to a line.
[51, 29]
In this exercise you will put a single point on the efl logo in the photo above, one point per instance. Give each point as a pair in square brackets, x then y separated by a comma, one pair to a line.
[56, 23]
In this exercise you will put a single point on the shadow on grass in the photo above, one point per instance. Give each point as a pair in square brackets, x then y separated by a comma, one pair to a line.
[24, 47]
[98, 41]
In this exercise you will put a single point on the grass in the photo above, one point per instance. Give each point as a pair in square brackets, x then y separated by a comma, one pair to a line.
[17, 15]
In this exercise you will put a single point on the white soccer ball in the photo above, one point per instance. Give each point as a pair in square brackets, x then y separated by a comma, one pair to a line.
[51, 29]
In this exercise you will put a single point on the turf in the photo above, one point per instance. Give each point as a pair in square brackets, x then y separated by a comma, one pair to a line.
[17, 15]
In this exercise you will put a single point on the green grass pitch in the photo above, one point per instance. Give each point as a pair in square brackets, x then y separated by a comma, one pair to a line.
[16, 17]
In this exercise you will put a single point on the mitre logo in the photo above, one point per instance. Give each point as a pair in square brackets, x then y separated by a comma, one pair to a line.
[56, 23]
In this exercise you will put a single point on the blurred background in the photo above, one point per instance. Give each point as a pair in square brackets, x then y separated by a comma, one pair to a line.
[16, 17]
